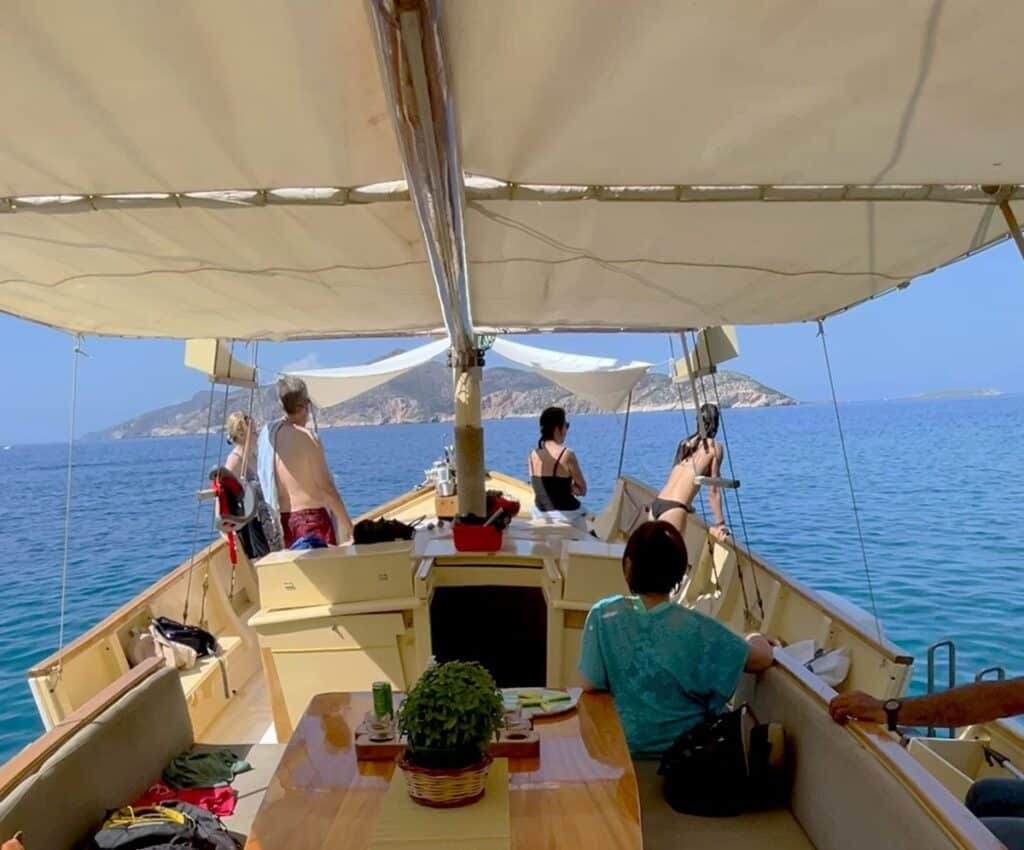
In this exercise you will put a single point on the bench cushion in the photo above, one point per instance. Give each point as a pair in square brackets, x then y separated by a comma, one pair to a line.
[108, 763]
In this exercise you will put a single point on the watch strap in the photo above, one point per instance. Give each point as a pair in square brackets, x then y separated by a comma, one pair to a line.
[892, 713]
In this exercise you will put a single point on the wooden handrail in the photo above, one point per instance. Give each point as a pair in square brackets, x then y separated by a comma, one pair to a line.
[397, 502]
[951, 815]
[28, 760]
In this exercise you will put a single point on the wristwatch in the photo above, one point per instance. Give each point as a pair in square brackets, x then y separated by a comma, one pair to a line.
[892, 712]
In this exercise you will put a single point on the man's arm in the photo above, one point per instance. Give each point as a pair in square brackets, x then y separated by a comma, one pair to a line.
[332, 497]
[977, 703]
[761, 656]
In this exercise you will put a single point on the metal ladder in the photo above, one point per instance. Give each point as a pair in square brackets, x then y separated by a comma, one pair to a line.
[995, 673]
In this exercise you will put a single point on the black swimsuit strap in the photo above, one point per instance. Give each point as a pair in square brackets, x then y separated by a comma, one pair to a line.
[554, 469]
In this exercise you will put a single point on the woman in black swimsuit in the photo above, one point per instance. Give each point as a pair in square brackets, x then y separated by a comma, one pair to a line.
[555, 473]
[698, 454]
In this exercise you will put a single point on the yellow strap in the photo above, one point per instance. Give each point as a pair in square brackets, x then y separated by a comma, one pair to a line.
[129, 816]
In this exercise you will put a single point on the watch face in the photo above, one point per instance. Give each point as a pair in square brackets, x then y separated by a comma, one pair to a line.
[892, 705]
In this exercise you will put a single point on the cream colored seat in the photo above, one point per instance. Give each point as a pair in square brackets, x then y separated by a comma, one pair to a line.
[111, 760]
[664, 828]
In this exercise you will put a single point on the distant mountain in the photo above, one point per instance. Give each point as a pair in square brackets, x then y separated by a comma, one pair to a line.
[424, 394]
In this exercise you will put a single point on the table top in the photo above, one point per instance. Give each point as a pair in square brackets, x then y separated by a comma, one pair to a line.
[580, 792]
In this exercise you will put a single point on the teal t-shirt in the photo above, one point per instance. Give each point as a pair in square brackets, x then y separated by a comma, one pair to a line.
[650, 659]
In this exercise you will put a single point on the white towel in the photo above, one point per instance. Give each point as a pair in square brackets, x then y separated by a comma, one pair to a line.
[265, 456]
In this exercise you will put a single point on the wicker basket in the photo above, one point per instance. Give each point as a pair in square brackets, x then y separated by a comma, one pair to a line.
[445, 788]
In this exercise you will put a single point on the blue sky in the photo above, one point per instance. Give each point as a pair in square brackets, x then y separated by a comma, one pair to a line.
[959, 328]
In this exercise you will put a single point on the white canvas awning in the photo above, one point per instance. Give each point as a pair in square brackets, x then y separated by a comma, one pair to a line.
[603, 381]
[194, 170]
[328, 387]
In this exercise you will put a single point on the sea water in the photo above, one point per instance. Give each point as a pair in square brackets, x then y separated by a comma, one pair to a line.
[939, 486]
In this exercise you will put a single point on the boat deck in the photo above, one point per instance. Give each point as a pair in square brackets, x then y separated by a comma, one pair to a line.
[246, 719]
[665, 829]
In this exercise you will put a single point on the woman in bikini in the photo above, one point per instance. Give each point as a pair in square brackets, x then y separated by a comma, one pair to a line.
[699, 454]
[555, 473]
[241, 463]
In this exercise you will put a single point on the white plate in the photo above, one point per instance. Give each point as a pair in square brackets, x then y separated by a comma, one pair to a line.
[548, 710]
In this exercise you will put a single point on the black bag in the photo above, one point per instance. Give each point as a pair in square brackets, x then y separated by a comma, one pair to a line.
[381, 531]
[199, 639]
[253, 540]
[172, 824]
[726, 765]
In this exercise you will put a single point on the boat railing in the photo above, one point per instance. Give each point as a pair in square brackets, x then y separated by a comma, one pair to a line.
[735, 586]
[942, 805]
[66, 680]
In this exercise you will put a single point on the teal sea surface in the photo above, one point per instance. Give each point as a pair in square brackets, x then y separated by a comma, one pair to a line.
[940, 486]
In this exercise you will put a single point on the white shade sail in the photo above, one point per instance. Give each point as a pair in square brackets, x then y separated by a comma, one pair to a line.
[603, 381]
[725, 92]
[705, 163]
[328, 387]
[293, 272]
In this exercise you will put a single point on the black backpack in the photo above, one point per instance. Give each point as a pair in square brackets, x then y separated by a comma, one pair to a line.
[198, 639]
[173, 824]
[726, 765]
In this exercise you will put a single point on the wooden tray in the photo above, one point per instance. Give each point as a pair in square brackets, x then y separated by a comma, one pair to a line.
[504, 747]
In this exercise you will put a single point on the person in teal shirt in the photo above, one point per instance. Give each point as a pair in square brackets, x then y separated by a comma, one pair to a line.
[662, 663]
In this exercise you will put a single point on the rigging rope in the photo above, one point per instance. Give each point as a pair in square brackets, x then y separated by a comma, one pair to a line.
[711, 543]
[696, 413]
[702, 432]
[849, 480]
[223, 430]
[625, 433]
[252, 400]
[736, 493]
[246, 447]
[76, 353]
[199, 507]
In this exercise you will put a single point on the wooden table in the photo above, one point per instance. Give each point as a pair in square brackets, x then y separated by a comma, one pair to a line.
[580, 794]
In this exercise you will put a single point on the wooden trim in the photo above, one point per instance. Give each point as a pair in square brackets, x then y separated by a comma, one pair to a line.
[125, 613]
[395, 605]
[278, 707]
[950, 814]
[394, 504]
[1009, 729]
[28, 760]
[401, 501]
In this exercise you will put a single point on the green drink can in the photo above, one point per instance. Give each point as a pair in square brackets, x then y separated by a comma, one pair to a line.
[383, 702]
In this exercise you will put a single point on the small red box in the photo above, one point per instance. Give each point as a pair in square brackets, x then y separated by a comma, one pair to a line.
[476, 538]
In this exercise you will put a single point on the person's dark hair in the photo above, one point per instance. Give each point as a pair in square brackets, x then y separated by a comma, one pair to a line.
[551, 420]
[655, 558]
[293, 393]
[709, 417]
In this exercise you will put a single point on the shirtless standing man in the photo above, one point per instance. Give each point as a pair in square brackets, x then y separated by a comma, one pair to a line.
[294, 469]
[698, 454]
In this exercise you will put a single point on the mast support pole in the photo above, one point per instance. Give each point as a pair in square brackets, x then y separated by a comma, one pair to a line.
[414, 71]
[1001, 194]
[470, 475]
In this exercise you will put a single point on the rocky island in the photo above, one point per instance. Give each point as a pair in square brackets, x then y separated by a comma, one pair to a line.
[424, 394]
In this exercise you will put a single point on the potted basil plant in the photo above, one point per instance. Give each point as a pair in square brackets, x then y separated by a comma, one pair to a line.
[449, 718]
